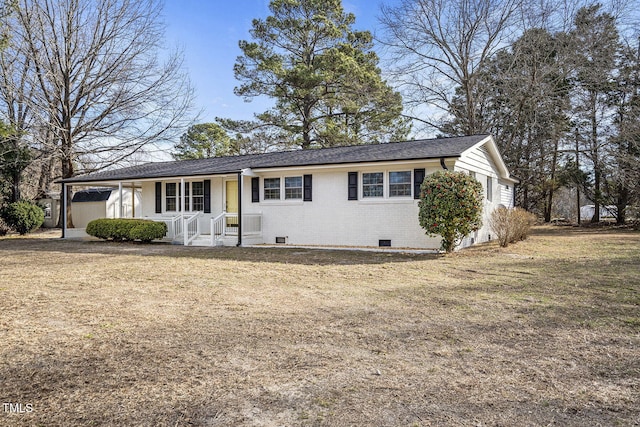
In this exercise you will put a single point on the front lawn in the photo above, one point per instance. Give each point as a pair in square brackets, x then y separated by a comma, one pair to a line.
[545, 332]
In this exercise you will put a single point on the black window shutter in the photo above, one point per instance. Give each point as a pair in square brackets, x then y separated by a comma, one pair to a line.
[353, 185]
[418, 177]
[207, 195]
[255, 189]
[307, 188]
[158, 197]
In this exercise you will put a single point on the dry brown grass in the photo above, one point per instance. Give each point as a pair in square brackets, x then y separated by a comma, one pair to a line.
[544, 332]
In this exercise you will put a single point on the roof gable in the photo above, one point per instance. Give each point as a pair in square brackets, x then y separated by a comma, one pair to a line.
[492, 148]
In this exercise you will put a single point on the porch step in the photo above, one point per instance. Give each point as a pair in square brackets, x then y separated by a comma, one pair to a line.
[202, 240]
[205, 240]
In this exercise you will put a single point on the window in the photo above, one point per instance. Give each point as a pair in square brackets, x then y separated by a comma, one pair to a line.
[373, 184]
[47, 210]
[171, 198]
[193, 196]
[272, 188]
[400, 184]
[197, 195]
[293, 187]
[489, 189]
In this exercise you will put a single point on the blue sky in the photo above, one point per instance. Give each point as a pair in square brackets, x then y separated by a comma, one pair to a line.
[208, 32]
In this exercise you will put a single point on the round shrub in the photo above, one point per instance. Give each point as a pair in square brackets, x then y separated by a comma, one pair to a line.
[119, 229]
[450, 206]
[23, 216]
[148, 231]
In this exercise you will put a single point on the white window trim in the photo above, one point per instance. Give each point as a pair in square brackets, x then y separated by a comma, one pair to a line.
[191, 196]
[283, 192]
[410, 196]
[489, 188]
[282, 200]
[263, 189]
[178, 196]
[386, 198]
[384, 190]
[164, 196]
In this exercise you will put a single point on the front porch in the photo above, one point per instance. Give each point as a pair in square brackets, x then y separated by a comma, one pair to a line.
[198, 210]
[224, 229]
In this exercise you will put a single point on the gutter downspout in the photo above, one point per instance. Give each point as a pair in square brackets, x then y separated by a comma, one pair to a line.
[239, 209]
[444, 166]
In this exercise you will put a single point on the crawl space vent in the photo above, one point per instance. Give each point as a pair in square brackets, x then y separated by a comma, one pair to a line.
[384, 243]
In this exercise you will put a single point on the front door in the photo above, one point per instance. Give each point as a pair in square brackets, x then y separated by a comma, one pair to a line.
[231, 202]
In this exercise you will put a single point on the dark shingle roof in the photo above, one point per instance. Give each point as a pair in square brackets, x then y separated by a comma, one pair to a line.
[409, 150]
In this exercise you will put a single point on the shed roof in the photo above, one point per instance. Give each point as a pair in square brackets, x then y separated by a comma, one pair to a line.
[92, 195]
[409, 150]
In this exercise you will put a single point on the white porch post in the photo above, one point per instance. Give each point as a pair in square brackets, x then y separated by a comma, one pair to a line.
[64, 210]
[185, 235]
[120, 199]
[133, 200]
[240, 208]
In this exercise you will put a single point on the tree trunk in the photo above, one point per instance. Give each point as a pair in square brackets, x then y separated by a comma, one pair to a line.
[595, 157]
[306, 127]
[621, 203]
[549, 202]
[44, 181]
[67, 172]
[15, 186]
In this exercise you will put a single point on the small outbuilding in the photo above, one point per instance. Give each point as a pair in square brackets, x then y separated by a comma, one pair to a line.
[93, 203]
[606, 212]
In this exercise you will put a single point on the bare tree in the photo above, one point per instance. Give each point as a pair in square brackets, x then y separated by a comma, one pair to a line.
[437, 48]
[99, 87]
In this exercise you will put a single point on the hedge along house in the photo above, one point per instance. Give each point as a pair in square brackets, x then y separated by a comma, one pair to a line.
[364, 195]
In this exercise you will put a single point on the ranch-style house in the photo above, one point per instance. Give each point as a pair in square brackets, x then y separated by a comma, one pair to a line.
[356, 196]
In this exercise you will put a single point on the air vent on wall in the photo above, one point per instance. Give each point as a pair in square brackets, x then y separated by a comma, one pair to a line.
[281, 240]
[384, 242]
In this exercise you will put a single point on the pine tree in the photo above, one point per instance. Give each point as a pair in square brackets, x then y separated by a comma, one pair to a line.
[322, 74]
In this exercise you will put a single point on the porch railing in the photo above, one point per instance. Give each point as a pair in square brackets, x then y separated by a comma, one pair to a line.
[251, 224]
[226, 224]
[176, 225]
[217, 228]
[191, 227]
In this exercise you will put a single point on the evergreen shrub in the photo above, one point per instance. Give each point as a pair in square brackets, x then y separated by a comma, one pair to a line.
[450, 206]
[23, 216]
[123, 229]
